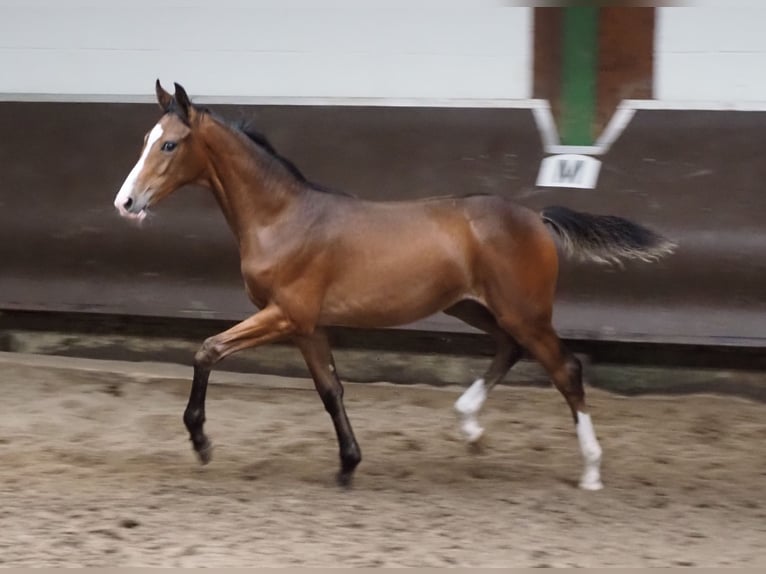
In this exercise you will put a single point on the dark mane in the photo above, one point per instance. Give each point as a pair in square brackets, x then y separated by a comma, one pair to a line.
[261, 141]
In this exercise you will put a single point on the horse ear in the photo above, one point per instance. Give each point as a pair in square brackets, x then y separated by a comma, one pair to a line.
[164, 99]
[183, 101]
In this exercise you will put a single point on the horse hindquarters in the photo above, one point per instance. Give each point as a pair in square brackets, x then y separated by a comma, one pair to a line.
[520, 276]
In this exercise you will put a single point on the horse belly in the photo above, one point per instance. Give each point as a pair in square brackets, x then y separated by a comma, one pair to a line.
[393, 291]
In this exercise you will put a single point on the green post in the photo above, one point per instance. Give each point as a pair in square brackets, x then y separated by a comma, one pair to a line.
[579, 70]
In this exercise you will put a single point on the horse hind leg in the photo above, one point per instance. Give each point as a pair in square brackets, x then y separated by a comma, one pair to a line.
[508, 353]
[565, 371]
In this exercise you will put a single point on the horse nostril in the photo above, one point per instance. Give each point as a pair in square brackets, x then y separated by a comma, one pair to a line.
[128, 203]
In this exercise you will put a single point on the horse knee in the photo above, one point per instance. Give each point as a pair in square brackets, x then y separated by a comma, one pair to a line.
[208, 354]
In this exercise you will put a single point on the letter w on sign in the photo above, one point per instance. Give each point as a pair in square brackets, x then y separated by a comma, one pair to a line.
[569, 170]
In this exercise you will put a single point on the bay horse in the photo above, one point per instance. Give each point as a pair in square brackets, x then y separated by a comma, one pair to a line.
[312, 259]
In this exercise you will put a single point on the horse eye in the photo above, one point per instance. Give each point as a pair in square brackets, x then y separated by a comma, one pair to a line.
[168, 146]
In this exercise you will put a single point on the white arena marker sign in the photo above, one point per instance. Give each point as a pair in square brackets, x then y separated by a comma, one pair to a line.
[569, 170]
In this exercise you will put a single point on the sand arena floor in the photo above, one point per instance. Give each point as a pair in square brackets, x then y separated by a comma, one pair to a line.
[97, 470]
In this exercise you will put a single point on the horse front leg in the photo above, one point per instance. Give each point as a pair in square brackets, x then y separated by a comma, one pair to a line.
[318, 356]
[263, 327]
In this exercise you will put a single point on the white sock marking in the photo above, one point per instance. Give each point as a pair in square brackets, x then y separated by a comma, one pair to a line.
[591, 452]
[128, 186]
[472, 430]
[468, 406]
[471, 401]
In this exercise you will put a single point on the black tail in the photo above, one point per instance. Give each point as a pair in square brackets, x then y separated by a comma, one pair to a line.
[604, 238]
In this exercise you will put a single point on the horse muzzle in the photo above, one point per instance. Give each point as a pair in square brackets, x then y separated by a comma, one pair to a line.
[132, 208]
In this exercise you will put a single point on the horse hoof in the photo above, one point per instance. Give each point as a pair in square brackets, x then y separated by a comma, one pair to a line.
[591, 485]
[591, 478]
[205, 453]
[475, 447]
[344, 479]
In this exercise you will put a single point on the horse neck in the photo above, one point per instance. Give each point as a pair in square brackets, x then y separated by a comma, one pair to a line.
[251, 191]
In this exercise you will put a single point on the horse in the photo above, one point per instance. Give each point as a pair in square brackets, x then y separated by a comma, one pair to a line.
[313, 258]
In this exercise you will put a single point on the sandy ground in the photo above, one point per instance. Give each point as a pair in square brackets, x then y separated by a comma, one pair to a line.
[96, 470]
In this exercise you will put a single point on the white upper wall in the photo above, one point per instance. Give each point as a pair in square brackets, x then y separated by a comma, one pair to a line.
[715, 54]
[419, 49]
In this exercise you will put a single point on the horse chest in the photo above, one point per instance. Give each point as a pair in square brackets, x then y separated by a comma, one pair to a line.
[259, 280]
[261, 258]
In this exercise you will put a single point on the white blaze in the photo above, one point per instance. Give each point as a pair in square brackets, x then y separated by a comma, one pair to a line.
[127, 189]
